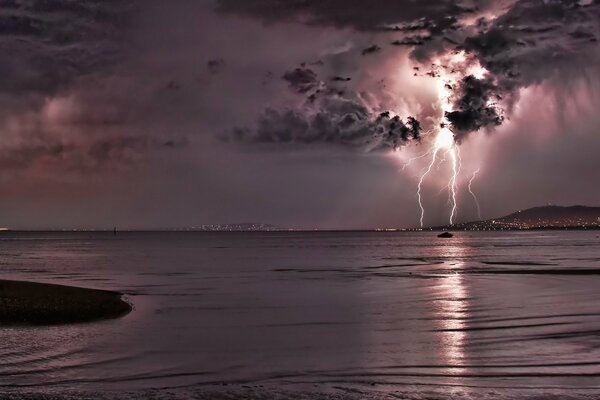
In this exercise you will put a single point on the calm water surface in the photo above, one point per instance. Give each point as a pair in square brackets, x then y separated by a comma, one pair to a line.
[493, 313]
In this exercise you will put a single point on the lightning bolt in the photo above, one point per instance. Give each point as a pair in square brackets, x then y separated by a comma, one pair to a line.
[454, 155]
[443, 160]
[473, 193]
[444, 140]
[420, 185]
[407, 163]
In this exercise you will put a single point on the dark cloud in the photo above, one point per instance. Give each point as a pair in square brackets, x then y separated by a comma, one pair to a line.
[558, 34]
[87, 156]
[430, 22]
[301, 80]
[135, 90]
[51, 43]
[535, 41]
[117, 148]
[412, 41]
[444, 24]
[330, 115]
[425, 22]
[49, 49]
[28, 155]
[70, 156]
[216, 65]
[334, 120]
[62, 99]
[371, 50]
[399, 15]
[306, 81]
[530, 42]
[475, 107]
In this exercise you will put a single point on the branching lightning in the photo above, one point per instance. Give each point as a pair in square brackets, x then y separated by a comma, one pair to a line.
[427, 171]
[444, 142]
[407, 163]
[453, 181]
[473, 193]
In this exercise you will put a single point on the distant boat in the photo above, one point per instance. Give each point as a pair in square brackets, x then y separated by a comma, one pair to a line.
[445, 235]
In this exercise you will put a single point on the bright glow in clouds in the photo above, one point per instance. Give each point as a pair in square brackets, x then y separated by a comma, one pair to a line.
[444, 139]
[447, 75]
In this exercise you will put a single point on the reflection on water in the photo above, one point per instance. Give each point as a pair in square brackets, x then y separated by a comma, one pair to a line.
[451, 306]
[489, 311]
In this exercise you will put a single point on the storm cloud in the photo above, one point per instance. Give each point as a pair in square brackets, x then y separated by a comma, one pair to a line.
[52, 43]
[534, 42]
[405, 15]
[159, 114]
[475, 105]
[528, 43]
[301, 80]
[334, 120]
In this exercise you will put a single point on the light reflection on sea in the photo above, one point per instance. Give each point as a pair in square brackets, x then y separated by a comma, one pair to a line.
[452, 307]
[490, 312]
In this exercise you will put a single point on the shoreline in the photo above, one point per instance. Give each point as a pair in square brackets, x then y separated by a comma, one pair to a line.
[25, 303]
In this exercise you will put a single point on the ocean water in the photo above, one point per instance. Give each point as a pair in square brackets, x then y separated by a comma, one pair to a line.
[340, 315]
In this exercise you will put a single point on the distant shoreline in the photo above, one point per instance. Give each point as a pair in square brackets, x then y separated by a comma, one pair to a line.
[549, 228]
[383, 230]
[33, 304]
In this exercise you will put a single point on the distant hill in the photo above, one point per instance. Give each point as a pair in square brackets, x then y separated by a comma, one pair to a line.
[545, 217]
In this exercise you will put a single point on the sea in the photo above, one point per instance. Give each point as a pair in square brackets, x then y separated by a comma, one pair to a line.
[303, 315]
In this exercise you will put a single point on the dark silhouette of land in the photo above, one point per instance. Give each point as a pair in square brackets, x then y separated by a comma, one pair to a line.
[29, 303]
[545, 217]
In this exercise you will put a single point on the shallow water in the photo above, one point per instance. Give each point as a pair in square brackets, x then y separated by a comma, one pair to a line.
[505, 314]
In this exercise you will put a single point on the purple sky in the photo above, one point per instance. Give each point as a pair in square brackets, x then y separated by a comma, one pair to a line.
[154, 114]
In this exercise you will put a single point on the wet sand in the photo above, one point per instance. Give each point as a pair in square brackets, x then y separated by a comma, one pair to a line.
[29, 303]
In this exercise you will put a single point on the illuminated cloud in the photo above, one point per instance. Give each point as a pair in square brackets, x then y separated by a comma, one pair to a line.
[182, 95]
[519, 43]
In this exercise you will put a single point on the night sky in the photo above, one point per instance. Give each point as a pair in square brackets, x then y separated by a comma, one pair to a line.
[298, 113]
